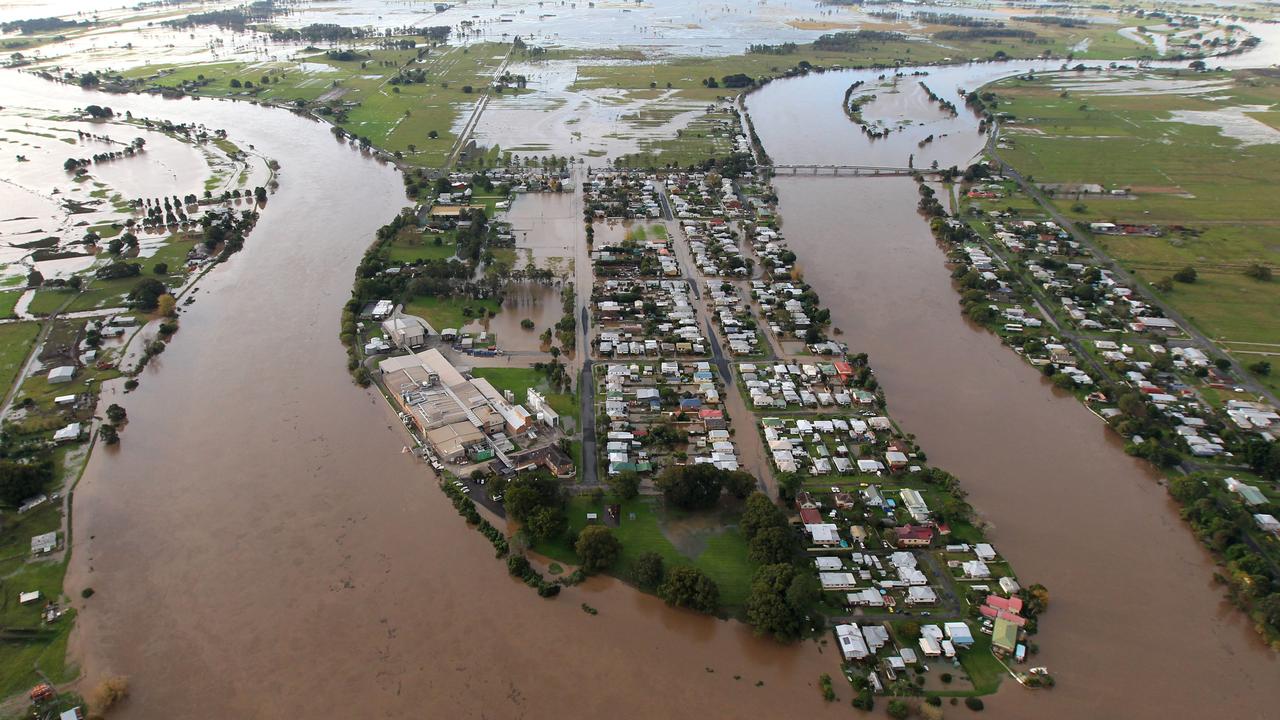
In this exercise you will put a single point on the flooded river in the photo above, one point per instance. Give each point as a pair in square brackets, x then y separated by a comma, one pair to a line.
[1137, 628]
[260, 547]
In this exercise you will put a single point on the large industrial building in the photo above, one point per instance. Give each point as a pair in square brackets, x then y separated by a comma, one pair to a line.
[459, 417]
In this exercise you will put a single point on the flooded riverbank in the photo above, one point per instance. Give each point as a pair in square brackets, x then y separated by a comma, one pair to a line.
[1136, 628]
[259, 546]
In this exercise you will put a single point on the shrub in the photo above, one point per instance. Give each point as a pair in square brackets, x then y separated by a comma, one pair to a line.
[1258, 272]
[898, 709]
[109, 434]
[86, 593]
[824, 684]
[974, 704]
[108, 693]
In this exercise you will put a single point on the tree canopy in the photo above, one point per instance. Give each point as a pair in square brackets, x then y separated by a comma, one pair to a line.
[697, 487]
[780, 600]
[648, 570]
[688, 587]
[597, 548]
[20, 480]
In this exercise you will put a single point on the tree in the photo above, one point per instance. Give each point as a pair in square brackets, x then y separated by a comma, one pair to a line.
[647, 570]
[760, 513]
[167, 306]
[898, 709]
[597, 548]
[1036, 599]
[21, 480]
[1261, 367]
[146, 294]
[117, 270]
[688, 587]
[544, 523]
[625, 485]
[739, 483]
[691, 487]
[109, 434]
[789, 484]
[116, 414]
[526, 493]
[1185, 275]
[160, 268]
[772, 545]
[767, 608]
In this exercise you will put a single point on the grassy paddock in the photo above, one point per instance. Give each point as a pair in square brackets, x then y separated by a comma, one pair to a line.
[15, 344]
[1178, 174]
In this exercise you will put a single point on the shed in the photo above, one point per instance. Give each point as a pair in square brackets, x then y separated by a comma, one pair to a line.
[70, 432]
[62, 374]
[44, 543]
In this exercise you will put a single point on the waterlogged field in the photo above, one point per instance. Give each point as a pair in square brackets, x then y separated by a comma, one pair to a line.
[1194, 154]
[357, 93]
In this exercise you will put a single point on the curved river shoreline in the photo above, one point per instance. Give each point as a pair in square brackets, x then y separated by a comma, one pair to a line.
[1137, 628]
[260, 547]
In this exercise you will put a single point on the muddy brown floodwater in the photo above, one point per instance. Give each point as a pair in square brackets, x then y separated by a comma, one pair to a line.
[261, 548]
[1136, 628]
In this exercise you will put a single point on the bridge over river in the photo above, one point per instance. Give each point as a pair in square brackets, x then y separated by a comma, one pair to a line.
[847, 170]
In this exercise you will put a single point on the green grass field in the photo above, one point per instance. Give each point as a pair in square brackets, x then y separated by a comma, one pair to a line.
[722, 555]
[393, 117]
[8, 301]
[449, 312]
[47, 650]
[47, 301]
[15, 344]
[518, 380]
[1213, 186]
[412, 245]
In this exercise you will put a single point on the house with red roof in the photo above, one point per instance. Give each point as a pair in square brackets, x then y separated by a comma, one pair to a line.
[914, 536]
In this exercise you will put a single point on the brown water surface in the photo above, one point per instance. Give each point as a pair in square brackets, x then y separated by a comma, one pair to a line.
[1137, 628]
[260, 546]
